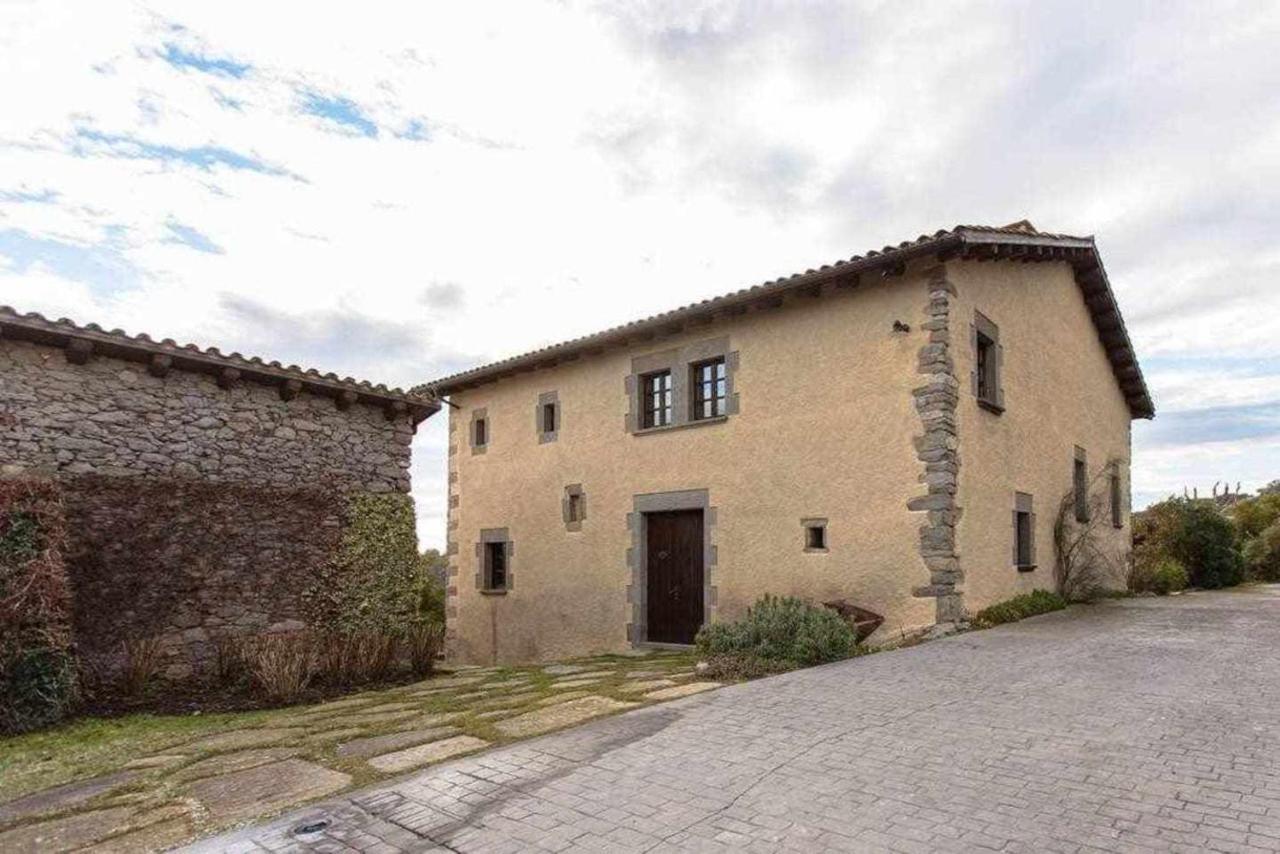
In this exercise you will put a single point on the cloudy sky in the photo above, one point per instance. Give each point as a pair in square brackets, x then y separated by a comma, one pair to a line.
[399, 191]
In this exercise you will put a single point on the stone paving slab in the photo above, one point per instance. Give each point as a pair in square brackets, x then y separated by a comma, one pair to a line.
[641, 685]
[65, 796]
[564, 697]
[160, 836]
[65, 834]
[565, 669]
[265, 788]
[560, 715]
[681, 691]
[242, 738]
[1136, 725]
[576, 683]
[227, 763]
[373, 745]
[160, 760]
[436, 751]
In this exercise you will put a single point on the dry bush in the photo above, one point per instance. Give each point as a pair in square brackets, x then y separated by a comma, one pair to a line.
[141, 661]
[357, 658]
[425, 642]
[1085, 565]
[229, 664]
[282, 664]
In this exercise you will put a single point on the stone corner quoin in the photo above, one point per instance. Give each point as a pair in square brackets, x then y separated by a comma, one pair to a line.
[937, 448]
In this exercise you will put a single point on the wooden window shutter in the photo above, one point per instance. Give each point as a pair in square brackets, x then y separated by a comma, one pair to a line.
[999, 374]
[973, 356]
[1016, 514]
[1031, 538]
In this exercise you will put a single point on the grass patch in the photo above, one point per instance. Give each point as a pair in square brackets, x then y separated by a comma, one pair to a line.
[92, 746]
[1019, 608]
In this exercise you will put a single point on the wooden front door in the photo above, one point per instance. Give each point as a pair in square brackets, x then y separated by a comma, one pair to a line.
[674, 575]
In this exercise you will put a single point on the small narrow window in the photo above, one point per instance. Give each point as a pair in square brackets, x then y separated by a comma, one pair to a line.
[1024, 533]
[495, 566]
[709, 389]
[986, 364]
[548, 418]
[481, 432]
[815, 534]
[657, 399]
[574, 507]
[1080, 484]
[1117, 512]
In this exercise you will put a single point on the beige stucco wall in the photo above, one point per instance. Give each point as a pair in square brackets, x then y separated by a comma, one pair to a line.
[1059, 393]
[824, 430]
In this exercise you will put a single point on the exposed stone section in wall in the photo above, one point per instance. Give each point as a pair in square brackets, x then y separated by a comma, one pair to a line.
[937, 448]
[112, 417]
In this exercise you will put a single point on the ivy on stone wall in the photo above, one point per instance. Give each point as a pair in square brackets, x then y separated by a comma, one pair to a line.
[372, 583]
[37, 669]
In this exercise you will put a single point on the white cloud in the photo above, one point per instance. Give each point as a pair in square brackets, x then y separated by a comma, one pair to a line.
[583, 165]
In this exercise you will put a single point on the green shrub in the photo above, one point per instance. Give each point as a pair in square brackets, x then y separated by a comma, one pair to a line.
[372, 584]
[1194, 533]
[1254, 515]
[429, 593]
[1262, 554]
[1019, 608]
[1169, 577]
[1161, 576]
[781, 630]
[1206, 545]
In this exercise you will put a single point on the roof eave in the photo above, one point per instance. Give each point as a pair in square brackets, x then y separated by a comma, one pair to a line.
[979, 243]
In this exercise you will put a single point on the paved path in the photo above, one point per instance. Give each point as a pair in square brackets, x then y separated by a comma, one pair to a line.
[1129, 726]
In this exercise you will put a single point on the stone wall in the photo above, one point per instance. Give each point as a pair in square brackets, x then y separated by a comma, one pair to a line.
[194, 510]
[188, 561]
[112, 417]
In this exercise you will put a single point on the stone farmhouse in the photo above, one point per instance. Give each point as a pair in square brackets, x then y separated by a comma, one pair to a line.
[204, 492]
[897, 431]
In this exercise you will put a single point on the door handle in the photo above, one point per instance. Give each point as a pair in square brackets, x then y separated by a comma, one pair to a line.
[675, 593]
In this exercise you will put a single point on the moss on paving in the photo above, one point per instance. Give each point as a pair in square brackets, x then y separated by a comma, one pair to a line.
[92, 747]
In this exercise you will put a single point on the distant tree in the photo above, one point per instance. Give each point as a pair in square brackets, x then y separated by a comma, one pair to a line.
[1272, 488]
[433, 573]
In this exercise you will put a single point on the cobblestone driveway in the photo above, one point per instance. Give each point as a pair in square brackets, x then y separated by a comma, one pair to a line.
[1134, 725]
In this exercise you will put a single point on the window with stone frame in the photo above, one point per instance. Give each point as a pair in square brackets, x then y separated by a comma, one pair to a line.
[1117, 507]
[710, 389]
[495, 566]
[478, 431]
[656, 400]
[1024, 532]
[815, 534]
[1080, 485]
[988, 358]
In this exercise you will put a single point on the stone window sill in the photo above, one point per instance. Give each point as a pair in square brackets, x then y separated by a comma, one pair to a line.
[666, 428]
[493, 593]
[990, 406]
[817, 551]
[1030, 567]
